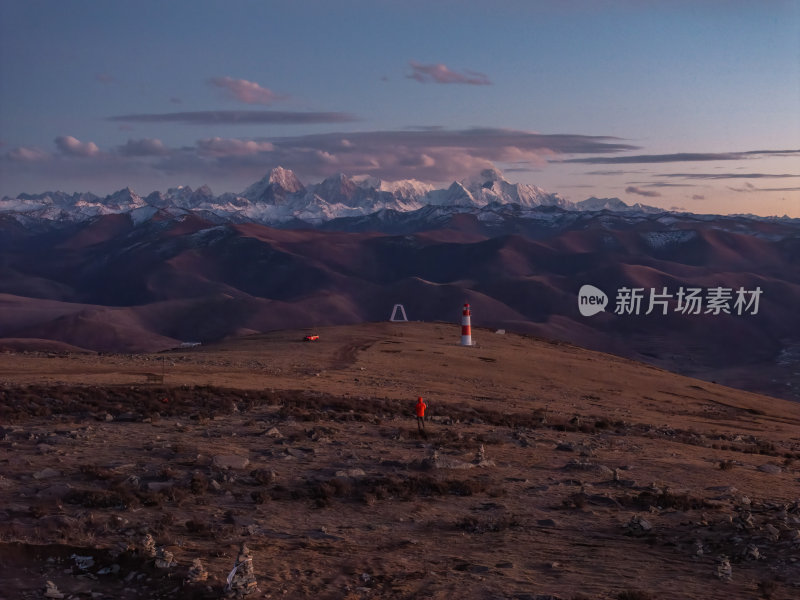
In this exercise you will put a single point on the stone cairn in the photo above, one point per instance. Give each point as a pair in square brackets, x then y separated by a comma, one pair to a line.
[164, 559]
[197, 573]
[480, 458]
[724, 571]
[149, 546]
[242, 580]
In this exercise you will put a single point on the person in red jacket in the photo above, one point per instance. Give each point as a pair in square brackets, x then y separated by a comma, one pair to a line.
[420, 410]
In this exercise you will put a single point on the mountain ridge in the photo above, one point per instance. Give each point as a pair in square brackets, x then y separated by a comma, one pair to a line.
[280, 198]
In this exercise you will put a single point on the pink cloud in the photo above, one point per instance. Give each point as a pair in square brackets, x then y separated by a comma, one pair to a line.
[24, 154]
[433, 154]
[231, 147]
[104, 78]
[74, 147]
[245, 91]
[439, 73]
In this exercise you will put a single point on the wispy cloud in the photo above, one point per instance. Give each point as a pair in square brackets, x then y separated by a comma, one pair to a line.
[698, 197]
[245, 91]
[727, 175]
[662, 184]
[237, 117]
[680, 157]
[440, 73]
[749, 188]
[619, 172]
[26, 154]
[232, 147]
[104, 78]
[74, 147]
[640, 192]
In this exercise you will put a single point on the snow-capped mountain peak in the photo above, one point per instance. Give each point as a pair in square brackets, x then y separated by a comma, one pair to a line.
[274, 187]
[280, 198]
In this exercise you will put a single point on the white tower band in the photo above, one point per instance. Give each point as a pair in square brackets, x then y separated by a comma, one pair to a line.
[466, 327]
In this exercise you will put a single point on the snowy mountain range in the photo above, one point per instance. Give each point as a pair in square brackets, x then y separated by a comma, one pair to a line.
[281, 199]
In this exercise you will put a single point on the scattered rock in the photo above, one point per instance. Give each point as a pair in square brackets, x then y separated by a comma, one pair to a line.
[46, 473]
[51, 591]
[638, 526]
[274, 433]
[603, 500]
[546, 523]
[351, 473]
[231, 461]
[112, 570]
[751, 553]
[84, 563]
[745, 521]
[770, 469]
[436, 461]
[773, 532]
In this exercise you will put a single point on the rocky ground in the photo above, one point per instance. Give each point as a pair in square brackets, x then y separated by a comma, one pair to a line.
[545, 471]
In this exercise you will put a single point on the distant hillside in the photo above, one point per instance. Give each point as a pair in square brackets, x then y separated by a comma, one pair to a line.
[115, 283]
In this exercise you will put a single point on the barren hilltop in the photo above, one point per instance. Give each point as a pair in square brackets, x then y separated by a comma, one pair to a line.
[545, 471]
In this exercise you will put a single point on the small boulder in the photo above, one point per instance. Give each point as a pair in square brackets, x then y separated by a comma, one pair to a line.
[51, 591]
[351, 473]
[274, 433]
[231, 461]
[770, 469]
[46, 473]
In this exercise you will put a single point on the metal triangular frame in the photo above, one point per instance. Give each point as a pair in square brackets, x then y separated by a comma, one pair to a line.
[394, 318]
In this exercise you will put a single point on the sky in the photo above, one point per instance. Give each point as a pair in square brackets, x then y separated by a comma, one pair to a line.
[686, 105]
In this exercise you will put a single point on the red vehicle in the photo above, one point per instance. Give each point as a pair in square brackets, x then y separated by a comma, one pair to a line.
[311, 338]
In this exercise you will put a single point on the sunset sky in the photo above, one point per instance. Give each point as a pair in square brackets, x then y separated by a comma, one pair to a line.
[692, 105]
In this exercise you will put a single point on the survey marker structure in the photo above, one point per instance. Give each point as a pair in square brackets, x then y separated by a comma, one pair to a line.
[401, 318]
[466, 327]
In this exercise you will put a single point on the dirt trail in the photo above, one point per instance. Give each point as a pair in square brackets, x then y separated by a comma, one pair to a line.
[346, 355]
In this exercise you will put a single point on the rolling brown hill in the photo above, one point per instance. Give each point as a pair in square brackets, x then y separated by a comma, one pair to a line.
[112, 285]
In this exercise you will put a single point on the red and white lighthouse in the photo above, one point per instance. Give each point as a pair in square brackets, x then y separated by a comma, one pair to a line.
[466, 327]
